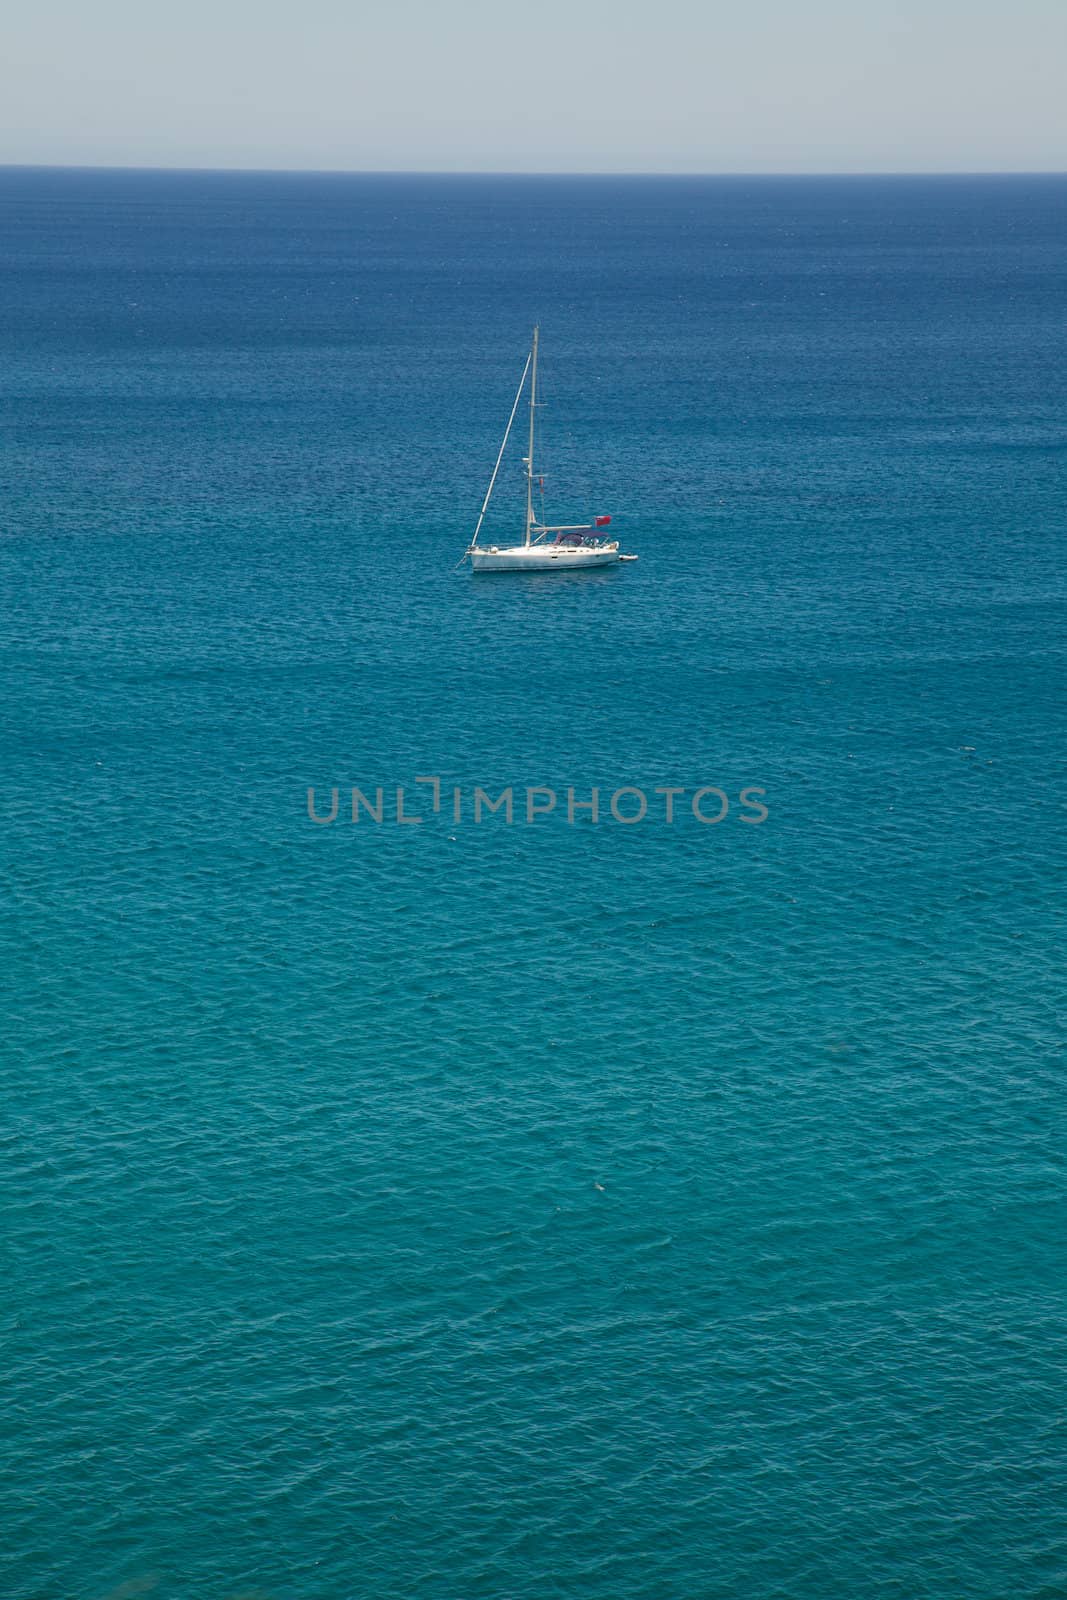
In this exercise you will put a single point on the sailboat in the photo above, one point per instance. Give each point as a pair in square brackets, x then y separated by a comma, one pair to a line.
[574, 545]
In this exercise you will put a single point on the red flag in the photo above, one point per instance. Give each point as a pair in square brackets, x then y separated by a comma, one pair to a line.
[601, 522]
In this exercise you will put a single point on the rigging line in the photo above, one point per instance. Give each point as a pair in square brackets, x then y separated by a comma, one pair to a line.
[499, 458]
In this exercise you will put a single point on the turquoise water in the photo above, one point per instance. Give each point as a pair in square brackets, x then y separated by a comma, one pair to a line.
[464, 1209]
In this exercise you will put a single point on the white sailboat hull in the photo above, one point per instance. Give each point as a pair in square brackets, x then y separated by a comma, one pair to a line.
[542, 558]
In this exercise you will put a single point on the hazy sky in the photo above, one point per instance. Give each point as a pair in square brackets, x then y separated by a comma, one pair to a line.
[556, 85]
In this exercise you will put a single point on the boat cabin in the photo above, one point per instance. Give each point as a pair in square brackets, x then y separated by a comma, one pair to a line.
[578, 536]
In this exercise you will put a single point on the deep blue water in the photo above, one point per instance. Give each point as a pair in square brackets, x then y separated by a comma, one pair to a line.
[470, 1210]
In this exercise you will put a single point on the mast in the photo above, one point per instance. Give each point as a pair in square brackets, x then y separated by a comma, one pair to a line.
[529, 458]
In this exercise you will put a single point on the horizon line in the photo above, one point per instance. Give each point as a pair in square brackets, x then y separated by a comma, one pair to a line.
[503, 172]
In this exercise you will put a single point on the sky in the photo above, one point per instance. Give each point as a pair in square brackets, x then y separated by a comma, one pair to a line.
[554, 86]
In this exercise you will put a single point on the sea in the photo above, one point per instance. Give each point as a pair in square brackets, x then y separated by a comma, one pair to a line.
[493, 1191]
